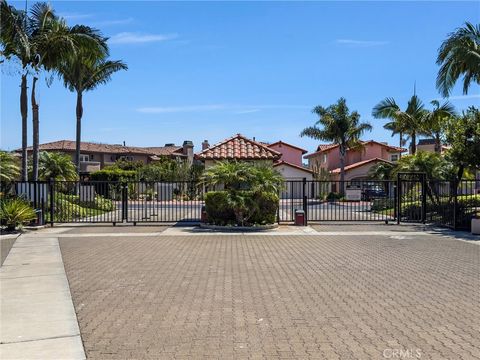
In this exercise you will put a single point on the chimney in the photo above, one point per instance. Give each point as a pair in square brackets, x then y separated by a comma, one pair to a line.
[188, 150]
[205, 145]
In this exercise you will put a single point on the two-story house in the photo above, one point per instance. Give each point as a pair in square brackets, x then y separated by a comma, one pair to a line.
[95, 156]
[358, 161]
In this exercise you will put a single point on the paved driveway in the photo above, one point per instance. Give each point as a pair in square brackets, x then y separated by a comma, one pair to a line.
[260, 297]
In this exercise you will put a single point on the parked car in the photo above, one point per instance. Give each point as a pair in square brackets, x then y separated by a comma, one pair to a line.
[371, 192]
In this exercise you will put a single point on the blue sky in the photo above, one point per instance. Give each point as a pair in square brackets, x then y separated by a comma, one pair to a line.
[208, 70]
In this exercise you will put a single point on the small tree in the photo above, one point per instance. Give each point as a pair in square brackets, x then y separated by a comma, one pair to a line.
[463, 135]
[56, 166]
[9, 167]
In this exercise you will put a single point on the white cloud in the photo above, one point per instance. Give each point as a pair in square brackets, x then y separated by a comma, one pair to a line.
[248, 111]
[462, 97]
[113, 22]
[236, 109]
[74, 16]
[139, 38]
[177, 109]
[360, 43]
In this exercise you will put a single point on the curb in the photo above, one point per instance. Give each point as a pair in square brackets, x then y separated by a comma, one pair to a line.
[257, 228]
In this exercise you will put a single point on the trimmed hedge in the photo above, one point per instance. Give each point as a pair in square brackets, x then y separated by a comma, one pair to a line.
[113, 174]
[257, 208]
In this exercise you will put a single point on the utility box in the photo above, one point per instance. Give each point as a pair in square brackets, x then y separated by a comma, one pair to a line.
[476, 226]
[299, 217]
[203, 217]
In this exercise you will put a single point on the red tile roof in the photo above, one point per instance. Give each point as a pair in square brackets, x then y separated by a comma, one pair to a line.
[289, 145]
[327, 147]
[238, 147]
[358, 164]
[286, 163]
[164, 150]
[69, 146]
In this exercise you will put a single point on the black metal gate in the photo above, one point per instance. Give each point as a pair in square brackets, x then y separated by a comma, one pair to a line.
[345, 201]
[409, 198]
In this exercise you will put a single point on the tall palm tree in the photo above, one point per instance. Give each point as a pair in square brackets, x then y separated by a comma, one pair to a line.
[435, 121]
[85, 71]
[16, 44]
[339, 126]
[459, 55]
[409, 122]
[39, 41]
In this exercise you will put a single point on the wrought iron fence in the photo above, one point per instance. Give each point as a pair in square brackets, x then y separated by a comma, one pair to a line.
[409, 198]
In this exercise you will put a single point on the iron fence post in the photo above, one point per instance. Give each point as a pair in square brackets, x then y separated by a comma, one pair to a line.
[455, 201]
[124, 202]
[398, 204]
[305, 200]
[52, 200]
[424, 198]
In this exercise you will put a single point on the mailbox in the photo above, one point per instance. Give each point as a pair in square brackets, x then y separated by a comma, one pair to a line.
[299, 217]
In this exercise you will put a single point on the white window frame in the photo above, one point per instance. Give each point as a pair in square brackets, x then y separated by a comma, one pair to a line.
[392, 157]
[83, 157]
[324, 158]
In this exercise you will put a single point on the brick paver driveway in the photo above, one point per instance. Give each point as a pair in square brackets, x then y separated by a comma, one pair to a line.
[300, 297]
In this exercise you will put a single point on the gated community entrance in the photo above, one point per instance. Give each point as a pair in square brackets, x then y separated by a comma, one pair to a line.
[409, 198]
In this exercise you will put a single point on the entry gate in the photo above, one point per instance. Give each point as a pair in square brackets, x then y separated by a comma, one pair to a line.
[397, 200]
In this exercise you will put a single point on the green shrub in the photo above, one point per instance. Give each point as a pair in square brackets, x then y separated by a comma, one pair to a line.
[218, 209]
[332, 196]
[15, 212]
[113, 174]
[266, 209]
[382, 204]
[99, 203]
[241, 207]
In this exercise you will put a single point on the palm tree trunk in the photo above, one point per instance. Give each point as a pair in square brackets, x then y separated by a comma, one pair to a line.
[24, 112]
[401, 144]
[79, 112]
[413, 144]
[342, 169]
[35, 123]
[438, 145]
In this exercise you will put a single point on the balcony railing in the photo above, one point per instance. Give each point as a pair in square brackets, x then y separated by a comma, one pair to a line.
[89, 166]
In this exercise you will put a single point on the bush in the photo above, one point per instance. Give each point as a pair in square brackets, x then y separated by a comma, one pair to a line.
[15, 212]
[113, 174]
[218, 209]
[382, 204]
[99, 203]
[266, 209]
[332, 196]
[241, 207]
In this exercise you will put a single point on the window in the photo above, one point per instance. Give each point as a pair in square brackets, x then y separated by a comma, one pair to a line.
[324, 158]
[84, 157]
[394, 157]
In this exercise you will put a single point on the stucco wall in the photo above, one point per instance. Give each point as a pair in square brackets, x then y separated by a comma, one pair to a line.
[359, 172]
[289, 154]
[289, 172]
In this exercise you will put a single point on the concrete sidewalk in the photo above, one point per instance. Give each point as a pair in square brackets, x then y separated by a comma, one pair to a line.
[37, 316]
